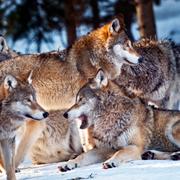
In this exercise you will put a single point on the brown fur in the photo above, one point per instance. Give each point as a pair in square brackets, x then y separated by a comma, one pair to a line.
[59, 140]
[57, 82]
[121, 124]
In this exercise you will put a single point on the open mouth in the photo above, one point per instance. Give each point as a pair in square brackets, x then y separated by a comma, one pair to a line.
[84, 121]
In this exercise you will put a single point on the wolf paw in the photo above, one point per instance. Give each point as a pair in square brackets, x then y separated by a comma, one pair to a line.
[67, 166]
[148, 155]
[110, 164]
[17, 170]
[175, 156]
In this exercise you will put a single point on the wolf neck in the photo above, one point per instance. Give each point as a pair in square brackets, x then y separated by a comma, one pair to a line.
[86, 55]
[115, 88]
[150, 79]
[110, 96]
[108, 127]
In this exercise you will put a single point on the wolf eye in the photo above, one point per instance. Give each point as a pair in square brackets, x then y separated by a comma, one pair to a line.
[28, 100]
[80, 99]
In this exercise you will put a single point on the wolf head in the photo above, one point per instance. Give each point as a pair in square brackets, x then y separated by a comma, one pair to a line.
[119, 43]
[3, 44]
[20, 99]
[87, 100]
[109, 48]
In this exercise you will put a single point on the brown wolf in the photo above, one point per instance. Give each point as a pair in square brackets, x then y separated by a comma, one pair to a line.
[59, 140]
[57, 82]
[18, 104]
[123, 128]
[157, 78]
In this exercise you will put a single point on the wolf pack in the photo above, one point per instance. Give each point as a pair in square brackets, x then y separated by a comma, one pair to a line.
[104, 100]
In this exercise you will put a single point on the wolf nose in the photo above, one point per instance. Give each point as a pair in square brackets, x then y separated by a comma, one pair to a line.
[45, 114]
[65, 115]
[140, 60]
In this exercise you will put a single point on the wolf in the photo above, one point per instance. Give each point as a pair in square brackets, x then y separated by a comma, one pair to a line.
[57, 82]
[59, 140]
[5, 52]
[18, 104]
[157, 78]
[123, 128]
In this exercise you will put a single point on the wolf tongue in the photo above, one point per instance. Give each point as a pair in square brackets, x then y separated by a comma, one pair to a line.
[83, 119]
[83, 124]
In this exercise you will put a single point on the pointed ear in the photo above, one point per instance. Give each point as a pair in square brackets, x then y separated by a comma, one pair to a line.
[115, 26]
[101, 79]
[29, 79]
[129, 43]
[10, 82]
[3, 43]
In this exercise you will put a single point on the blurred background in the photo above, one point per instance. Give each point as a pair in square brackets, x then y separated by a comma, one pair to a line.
[42, 25]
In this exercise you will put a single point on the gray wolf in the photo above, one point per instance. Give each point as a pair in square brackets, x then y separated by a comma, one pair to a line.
[18, 104]
[157, 78]
[123, 128]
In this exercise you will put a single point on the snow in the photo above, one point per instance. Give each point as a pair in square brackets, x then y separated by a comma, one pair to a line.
[135, 170]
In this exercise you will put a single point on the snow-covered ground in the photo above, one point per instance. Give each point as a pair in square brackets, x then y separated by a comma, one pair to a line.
[137, 170]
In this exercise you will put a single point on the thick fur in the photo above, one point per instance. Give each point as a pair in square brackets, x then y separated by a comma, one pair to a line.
[59, 140]
[121, 125]
[57, 82]
[157, 78]
[17, 105]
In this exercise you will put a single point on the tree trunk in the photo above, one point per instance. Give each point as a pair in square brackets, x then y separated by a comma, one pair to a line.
[70, 21]
[128, 12]
[95, 12]
[145, 18]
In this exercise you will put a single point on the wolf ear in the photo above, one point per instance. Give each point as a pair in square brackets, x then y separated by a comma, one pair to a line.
[101, 79]
[10, 82]
[115, 26]
[129, 43]
[3, 44]
[29, 79]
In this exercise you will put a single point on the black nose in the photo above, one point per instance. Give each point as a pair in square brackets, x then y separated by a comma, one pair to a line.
[65, 115]
[45, 114]
[140, 60]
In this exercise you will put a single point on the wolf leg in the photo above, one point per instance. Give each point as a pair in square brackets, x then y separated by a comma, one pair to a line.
[154, 154]
[8, 148]
[128, 153]
[159, 155]
[31, 134]
[91, 157]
